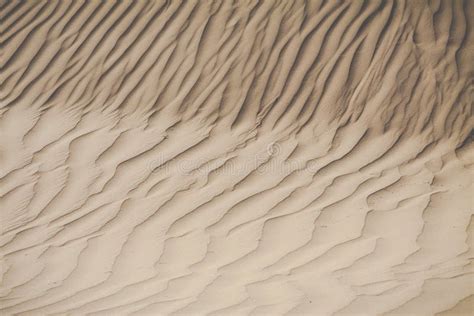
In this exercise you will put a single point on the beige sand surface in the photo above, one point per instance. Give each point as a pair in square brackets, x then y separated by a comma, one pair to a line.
[236, 157]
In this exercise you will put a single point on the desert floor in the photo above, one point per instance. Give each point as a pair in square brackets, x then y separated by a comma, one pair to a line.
[236, 157]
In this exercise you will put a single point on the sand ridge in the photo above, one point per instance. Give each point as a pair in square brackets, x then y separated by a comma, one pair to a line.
[236, 157]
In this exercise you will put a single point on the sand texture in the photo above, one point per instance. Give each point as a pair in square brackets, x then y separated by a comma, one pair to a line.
[236, 157]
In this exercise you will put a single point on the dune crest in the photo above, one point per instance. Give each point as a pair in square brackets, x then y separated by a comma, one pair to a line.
[236, 157]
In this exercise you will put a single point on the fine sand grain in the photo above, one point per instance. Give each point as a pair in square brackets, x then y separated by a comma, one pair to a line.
[236, 157]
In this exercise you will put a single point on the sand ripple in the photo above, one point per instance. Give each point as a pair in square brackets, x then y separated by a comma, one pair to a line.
[236, 157]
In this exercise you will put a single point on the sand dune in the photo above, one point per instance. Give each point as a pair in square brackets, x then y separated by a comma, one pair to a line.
[236, 157]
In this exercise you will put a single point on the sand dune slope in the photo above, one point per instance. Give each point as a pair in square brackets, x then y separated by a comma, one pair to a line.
[236, 157]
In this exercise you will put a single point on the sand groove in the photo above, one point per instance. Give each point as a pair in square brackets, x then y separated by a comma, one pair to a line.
[236, 157]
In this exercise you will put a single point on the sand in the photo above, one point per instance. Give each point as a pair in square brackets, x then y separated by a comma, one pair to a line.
[236, 157]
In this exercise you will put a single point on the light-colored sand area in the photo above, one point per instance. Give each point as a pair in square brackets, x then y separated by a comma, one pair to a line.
[236, 157]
